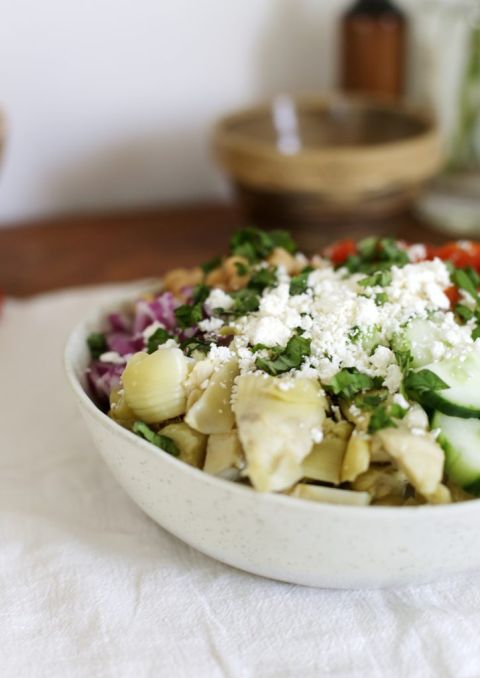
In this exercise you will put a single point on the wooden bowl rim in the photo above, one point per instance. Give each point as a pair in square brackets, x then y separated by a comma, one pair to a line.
[225, 138]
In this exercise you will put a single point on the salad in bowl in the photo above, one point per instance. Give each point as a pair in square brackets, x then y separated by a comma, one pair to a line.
[348, 377]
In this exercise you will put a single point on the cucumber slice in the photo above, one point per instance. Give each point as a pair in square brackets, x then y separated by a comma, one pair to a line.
[462, 374]
[460, 439]
[419, 337]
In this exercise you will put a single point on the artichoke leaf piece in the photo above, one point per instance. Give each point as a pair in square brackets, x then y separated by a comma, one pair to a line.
[275, 418]
[154, 384]
[330, 495]
[419, 457]
[357, 457]
[325, 461]
[191, 444]
[212, 411]
[119, 410]
[224, 452]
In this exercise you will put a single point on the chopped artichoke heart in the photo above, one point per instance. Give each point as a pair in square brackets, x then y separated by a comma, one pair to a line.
[357, 457]
[212, 411]
[154, 384]
[191, 444]
[330, 495]
[119, 410]
[325, 461]
[419, 457]
[274, 420]
[224, 452]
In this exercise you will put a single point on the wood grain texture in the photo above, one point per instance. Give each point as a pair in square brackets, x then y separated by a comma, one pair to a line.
[71, 251]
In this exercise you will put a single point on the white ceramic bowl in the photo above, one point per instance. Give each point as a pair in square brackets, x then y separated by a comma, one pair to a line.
[272, 535]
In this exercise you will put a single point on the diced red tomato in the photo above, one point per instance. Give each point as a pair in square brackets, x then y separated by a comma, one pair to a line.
[453, 295]
[339, 251]
[462, 253]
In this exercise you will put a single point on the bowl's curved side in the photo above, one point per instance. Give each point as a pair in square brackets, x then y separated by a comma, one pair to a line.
[276, 536]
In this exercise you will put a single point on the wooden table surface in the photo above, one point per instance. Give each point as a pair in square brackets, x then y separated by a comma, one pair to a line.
[71, 251]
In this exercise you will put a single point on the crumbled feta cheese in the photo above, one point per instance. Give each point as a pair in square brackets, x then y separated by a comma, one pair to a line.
[113, 357]
[317, 435]
[210, 324]
[220, 354]
[218, 299]
[393, 378]
[151, 329]
[398, 399]
[417, 252]
[267, 330]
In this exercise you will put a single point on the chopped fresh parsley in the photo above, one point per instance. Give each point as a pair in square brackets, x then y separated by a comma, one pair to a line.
[263, 278]
[466, 279]
[376, 254]
[299, 283]
[160, 336]
[284, 359]
[380, 419]
[255, 244]
[211, 265]
[244, 301]
[397, 411]
[97, 344]
[349, 381]
[476, 332]
[242, 269]
[381, 298]
[189, 315]
[200, 293]
[369, 401]
[381, 278]
[404, 359]
[464, 312]
[164, 442]
[189, 346]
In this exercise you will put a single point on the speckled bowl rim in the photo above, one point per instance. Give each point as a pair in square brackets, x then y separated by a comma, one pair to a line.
[337, 510]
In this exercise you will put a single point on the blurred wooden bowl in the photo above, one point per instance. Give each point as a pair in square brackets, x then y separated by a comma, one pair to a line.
[310, 159]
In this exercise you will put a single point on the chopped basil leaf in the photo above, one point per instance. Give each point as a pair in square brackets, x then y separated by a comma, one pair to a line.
[164, 442]
[260, 347]
[354, 334]
[349, 381]
[284, 359]
[211, 265]
[376, 254]
[189, 315]
[97, 344]
[380, 419]
[418, 383]
[476, 332]
[299, 283]
[263, 278]
[159, 337]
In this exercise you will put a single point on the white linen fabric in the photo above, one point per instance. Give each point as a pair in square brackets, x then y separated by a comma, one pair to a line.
[90, 586]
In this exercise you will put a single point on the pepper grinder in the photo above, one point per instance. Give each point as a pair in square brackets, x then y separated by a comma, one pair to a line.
[373, 36]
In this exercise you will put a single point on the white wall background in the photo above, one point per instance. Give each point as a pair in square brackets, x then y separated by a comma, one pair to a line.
[110, 102]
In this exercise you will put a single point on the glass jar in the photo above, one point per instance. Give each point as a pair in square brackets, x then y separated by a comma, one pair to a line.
[448, 64]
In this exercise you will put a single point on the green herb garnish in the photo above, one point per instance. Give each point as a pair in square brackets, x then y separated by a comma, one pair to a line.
[465, 280]
[285, 359]
[381, 278]
[349, 381]
[160, 336]
[211, 265]
[245, 301]
[189, 346]
[164, 442]
[380, 419]
[417, 384]
[242, 269]
[200, 293]
[299, 283]
[263, 278]
[97, 344]
[255, 244]
[189, 315]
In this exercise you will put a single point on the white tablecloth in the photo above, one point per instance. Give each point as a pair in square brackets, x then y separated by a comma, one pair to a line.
[89, 586]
